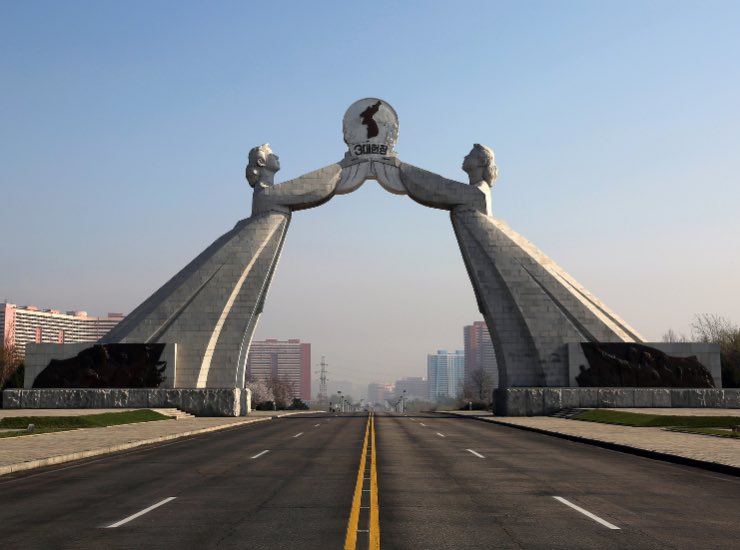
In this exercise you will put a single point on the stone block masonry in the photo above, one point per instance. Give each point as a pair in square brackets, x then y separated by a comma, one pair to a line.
[212, 306]
[544, 401]
[200, 402]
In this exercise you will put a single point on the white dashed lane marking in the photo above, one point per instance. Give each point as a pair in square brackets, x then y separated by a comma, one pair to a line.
[138, 514]
[587, 513]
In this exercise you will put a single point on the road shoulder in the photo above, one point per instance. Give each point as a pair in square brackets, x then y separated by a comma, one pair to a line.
[37, 451]
[713, 453]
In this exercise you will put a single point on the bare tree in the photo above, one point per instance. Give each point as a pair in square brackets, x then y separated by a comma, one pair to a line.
[479, 386]
[261, 391]
[707, 327]
[10, 359]
[715, 329]
[672, 336]
[282, 389]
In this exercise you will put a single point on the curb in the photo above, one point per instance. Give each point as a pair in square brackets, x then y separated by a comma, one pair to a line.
[60, 459]
[657, 455]
[293, 413]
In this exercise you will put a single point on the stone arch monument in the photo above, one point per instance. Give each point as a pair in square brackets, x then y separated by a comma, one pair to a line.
[533, 309]
[187, 344]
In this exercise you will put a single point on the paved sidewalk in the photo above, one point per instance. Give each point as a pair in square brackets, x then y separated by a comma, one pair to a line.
[35, 451]
[701, 450]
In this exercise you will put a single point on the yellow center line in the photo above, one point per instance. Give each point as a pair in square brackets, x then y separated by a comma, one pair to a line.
[374, 509]
[350, 540]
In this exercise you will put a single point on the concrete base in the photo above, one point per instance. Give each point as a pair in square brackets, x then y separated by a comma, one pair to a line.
[544, 401]
[200, 402]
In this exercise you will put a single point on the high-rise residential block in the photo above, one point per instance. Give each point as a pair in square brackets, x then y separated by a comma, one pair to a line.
[479, 355]
[289, 360]
[445, 374]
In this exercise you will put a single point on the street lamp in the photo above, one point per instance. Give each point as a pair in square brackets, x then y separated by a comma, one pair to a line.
[341, 401]
[403, 402]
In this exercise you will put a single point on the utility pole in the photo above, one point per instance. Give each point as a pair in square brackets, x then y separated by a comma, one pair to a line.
[323, 393]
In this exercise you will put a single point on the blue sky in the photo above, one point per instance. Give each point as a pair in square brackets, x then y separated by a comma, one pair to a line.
[616, 125]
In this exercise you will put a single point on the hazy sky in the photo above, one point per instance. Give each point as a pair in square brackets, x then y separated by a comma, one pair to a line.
[616, 125]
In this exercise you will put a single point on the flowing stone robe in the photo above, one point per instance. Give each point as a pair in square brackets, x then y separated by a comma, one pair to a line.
[211, 307]
[532, 307]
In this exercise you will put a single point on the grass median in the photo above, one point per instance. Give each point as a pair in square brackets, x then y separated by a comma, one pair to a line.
[657, 420]
[45, 424]
[721, 432]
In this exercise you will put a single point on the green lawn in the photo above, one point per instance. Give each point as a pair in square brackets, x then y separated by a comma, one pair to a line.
[44, 424]
[707, 431]
[655, 420]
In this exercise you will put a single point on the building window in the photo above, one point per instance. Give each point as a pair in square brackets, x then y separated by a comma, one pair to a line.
[37, 339]
[60, 337]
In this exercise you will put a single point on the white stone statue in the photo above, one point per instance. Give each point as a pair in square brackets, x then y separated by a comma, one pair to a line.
[307, 191]
[211, 307]
[532, 307]
[262, 167]
[480, 165]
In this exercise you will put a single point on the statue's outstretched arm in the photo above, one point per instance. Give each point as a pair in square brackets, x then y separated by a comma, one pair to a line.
[433, 190]
[307, 191]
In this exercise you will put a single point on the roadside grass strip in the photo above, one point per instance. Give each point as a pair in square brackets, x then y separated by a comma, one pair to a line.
[718, 432]
[46, 424]
[587, 513]
[373, 531]
[139, 514]
[656, 420]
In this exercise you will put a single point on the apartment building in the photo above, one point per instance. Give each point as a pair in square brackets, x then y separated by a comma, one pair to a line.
[30, 324]
[289, 360]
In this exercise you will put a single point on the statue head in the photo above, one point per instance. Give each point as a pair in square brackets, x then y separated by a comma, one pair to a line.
[263, 164]
[480, 164]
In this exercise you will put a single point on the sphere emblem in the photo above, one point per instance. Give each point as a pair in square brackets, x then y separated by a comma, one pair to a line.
[370, 128]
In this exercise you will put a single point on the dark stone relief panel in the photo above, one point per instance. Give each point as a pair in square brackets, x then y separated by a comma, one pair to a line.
[630, 365]
[107, 366]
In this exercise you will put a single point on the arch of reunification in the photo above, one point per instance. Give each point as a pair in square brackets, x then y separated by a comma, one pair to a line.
[532, 307]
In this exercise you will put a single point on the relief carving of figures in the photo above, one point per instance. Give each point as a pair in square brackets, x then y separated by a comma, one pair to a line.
[640, 366]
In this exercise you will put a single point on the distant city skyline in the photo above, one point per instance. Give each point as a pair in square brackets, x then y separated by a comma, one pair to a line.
[615, 126]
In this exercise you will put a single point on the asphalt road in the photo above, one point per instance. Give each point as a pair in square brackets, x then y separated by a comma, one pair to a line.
[442, 483]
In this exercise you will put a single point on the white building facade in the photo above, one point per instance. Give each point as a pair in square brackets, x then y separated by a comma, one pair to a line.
[32, 325]
[445, 374]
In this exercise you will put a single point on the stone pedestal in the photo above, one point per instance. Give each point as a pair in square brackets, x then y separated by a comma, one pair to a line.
[200, 402]
[535, 401]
